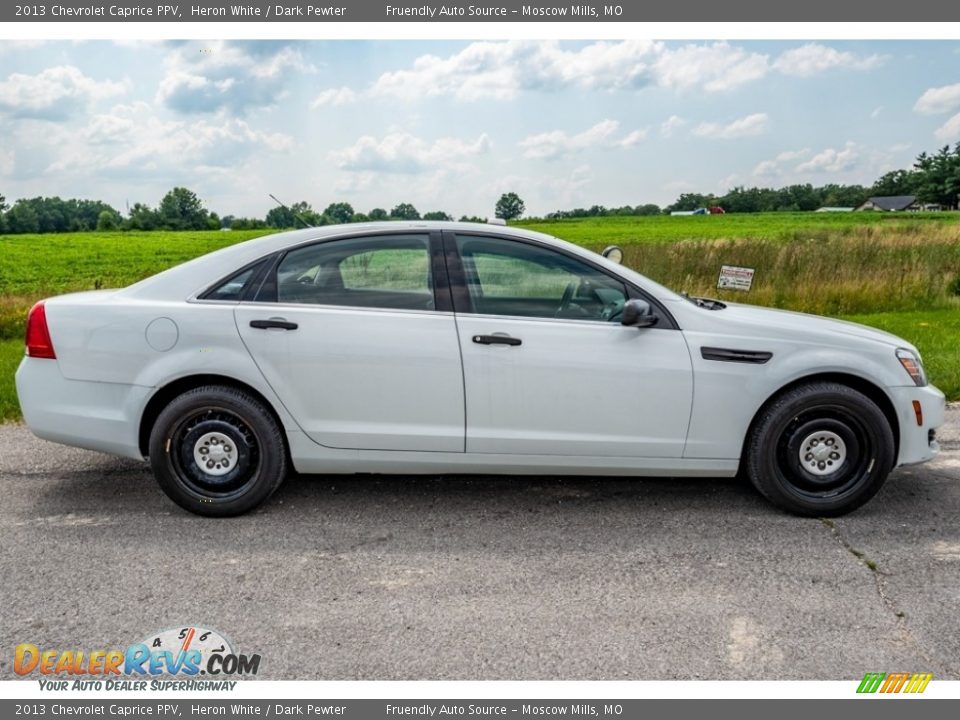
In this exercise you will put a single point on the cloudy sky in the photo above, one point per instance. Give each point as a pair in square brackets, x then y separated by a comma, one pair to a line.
[451, 125]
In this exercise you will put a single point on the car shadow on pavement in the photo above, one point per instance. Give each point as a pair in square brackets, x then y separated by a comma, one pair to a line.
[115, 487]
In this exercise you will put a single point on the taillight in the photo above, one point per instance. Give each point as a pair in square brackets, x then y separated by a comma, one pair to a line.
[39, 344]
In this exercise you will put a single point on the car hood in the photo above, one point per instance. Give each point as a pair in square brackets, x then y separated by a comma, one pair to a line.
[795, 325]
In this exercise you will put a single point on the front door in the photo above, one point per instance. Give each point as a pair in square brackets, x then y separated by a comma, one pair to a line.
[549, 369]
[353, 340]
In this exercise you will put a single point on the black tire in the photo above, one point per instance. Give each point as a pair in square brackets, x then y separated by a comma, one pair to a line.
[820, 450]
[240, 446]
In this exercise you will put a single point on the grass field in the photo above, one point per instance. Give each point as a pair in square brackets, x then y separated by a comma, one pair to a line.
[782, 227]
[897, 272]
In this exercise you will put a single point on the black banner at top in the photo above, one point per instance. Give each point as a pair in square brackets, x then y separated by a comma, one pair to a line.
[479, 11]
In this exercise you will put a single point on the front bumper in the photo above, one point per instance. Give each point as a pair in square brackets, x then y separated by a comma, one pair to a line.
[92, 415]
[916, 443]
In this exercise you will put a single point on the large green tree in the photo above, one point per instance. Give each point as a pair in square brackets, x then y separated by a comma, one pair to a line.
[300, 214]
[340, 212]
[509, 206]
[404, 211]
[181, 209]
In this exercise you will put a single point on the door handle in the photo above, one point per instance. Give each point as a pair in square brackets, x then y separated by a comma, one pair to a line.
[496, 340]
[277, 323]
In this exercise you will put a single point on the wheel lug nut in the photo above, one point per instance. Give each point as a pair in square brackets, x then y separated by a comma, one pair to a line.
[210, 464]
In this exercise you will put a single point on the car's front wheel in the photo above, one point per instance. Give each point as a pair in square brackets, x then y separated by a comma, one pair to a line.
[820, 449]
[217, 451]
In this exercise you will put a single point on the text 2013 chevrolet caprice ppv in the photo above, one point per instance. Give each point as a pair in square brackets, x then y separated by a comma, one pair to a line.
[446, 347]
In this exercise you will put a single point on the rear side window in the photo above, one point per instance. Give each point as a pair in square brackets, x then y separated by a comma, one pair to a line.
[391, 272]
[233, 288]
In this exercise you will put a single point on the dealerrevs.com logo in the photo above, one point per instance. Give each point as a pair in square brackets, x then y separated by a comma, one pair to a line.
[186, 652]
[898, 682]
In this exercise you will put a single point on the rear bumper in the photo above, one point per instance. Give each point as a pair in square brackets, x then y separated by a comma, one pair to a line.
[916, 443]
[92, 415]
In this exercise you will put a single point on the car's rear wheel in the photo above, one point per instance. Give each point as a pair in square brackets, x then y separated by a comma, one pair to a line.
[820, 449]
[217, 451]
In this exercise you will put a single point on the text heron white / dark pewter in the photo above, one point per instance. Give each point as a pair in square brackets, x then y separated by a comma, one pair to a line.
[464, 348]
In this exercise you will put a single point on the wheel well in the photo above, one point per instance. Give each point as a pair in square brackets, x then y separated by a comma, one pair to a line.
[859, 384]
[167, 393]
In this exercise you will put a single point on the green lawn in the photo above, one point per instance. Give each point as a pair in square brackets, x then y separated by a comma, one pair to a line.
[936, 333]
[11, 352]
[594, 232]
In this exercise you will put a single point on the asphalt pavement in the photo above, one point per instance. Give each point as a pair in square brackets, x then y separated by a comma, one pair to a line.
[376, 577]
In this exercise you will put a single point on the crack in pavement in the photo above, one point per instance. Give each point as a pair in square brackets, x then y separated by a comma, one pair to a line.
[879, 577]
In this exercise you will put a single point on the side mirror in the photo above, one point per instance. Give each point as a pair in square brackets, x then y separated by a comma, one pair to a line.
[636, 313]
[613, 253]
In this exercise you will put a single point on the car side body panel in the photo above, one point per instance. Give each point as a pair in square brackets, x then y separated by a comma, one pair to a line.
[117, 349]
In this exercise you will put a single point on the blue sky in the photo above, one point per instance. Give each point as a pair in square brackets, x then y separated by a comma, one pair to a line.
[451, 125]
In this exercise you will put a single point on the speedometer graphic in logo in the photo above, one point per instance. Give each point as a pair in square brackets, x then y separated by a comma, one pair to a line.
[180, 641]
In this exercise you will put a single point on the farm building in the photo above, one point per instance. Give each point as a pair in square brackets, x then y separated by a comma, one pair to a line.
[834, 209]
[891, 203]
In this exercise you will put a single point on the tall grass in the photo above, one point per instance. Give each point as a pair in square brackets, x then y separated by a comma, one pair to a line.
[865, 270]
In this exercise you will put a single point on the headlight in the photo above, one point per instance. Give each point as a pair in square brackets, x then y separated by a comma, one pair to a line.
[912, 364]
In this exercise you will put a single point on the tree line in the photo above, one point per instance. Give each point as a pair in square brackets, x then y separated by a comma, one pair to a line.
[933, 179]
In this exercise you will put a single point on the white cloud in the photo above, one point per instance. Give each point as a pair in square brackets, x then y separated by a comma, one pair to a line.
[728, 183]
[875, 113]
[335, 96]
[132, 139]
[950, 130]
[206, 77]
[54, 93]
[403, 153]
[939, 100]
[669, 126]
[766, 168]
[712, 67]
[500, 70]
[814, 58]
[551, 145]
[634, 138]
[751, 125]
[831, 160]
[788, 155]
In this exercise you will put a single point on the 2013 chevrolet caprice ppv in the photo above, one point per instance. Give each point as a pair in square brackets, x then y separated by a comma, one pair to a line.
[449, 347]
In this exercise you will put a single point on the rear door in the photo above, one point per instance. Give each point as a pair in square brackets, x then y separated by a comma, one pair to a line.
[549, 369]
[357, 338]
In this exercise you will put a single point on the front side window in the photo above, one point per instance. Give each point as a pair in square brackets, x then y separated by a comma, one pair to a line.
[391, 272]
[506, 277]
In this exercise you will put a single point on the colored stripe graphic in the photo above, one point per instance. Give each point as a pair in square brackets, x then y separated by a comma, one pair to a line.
[894, 682]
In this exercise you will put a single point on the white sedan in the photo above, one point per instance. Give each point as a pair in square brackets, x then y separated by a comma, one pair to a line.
[464, 348]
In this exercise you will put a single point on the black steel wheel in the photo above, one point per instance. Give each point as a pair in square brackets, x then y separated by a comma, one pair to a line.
[217, 451]
[820, 449]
